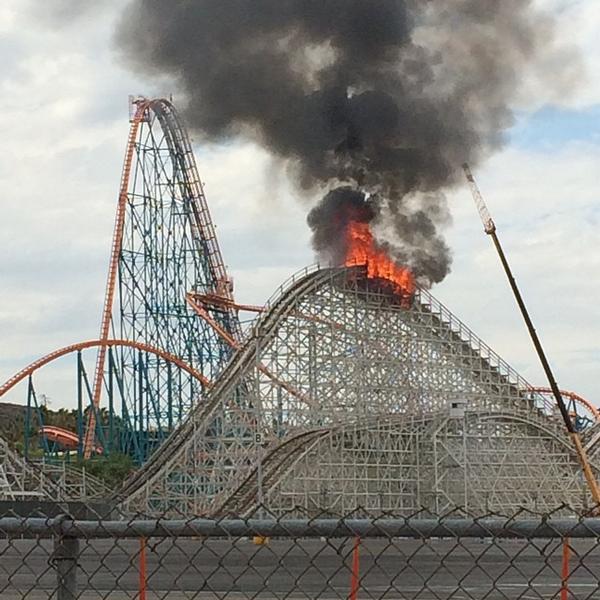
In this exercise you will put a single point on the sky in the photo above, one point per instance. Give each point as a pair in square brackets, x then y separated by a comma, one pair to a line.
[63, 127]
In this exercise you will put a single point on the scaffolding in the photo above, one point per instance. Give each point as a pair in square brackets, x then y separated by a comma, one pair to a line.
[394, 408]
[42, 480]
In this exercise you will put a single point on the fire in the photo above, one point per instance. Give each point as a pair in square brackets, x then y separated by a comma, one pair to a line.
[362, 250]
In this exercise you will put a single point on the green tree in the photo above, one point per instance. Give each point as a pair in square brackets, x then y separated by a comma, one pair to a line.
[112, 469]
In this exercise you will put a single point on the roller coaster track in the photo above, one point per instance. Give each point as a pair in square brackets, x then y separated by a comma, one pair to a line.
[265, 326]
[475, 354]
[280, 460]
[571, 396]
[482, 370]
[38, 364]
[24, 479]
[484, 364]
[181, 148]
[115, 252]
[203, 233]
[284, 304]
[203, 314]
[68, 440]
[274, 466]
[19, 478]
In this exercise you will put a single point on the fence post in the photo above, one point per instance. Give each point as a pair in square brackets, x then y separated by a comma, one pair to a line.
[66, 551]
[564, 590]
[355, 577]
[142, 594]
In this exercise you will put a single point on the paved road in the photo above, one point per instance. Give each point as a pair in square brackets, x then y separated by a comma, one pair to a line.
[397, 569]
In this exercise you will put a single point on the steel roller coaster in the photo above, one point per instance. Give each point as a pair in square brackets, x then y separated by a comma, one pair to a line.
[339, 395]
[155, 357]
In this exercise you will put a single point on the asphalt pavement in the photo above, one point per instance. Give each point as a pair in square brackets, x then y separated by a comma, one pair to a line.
[239, 569]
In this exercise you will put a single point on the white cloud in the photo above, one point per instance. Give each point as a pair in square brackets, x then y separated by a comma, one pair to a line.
[577, 26]
[547, 208]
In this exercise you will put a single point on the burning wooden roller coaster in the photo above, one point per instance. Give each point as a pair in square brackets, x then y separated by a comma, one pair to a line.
[347, 370]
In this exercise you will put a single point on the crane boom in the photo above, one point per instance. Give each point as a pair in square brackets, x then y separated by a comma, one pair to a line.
[490, 228]
[488, 223]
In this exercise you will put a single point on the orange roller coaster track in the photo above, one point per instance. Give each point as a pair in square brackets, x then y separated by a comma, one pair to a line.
[574, 397]
[202, 313]
[141, 109]
[66, 438]
[164, 243]
[38, 364]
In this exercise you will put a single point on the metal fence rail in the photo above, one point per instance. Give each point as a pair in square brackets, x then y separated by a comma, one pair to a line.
[410, 558]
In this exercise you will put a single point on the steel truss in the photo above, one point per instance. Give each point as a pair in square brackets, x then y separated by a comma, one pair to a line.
[164, 248]
[109, 423]
[340, 398]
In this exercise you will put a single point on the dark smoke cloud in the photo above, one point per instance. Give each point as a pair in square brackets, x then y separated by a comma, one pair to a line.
[381, 99]
[330, 218]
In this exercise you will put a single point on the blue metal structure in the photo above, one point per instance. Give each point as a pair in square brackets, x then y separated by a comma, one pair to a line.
[168, 249]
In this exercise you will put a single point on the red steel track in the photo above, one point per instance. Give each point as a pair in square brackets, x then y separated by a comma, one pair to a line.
[203, 224]
[137, 118]
[66, 438]
[572, 396]
[38, 364]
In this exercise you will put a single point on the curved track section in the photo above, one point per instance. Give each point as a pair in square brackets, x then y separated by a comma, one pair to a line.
[483, 462]
[164, 247]
[233, 385]
[349, 352]
[52, 356]
[65, 437]
[586, 414]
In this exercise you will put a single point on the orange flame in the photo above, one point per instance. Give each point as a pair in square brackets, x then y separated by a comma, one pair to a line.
[362, 250]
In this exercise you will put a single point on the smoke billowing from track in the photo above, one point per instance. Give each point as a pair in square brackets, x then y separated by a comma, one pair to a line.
[376, 102]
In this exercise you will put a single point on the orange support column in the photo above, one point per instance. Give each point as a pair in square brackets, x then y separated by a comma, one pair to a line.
[355, 577]
[142, 594]
[564, 590]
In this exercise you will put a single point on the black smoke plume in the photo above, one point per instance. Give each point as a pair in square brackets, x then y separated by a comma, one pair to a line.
[330, 218]
[372, 101]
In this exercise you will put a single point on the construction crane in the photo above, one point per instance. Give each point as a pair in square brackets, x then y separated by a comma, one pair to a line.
[490, 229]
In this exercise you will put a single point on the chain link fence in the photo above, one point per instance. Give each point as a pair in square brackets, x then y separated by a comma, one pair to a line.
[420, 557]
